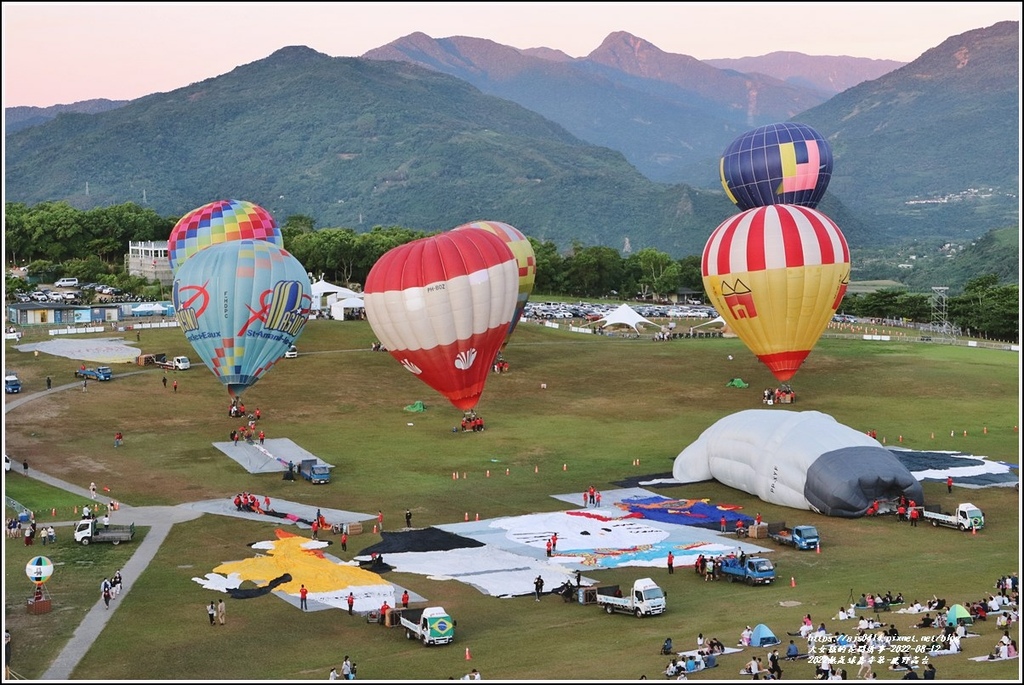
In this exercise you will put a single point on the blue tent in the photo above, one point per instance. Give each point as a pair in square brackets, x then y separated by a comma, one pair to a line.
[763, 637]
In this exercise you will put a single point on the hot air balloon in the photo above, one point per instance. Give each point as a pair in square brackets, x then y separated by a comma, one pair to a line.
[525, 258]
[442, 306]
[39, 569]
[241, 304]
[776, 275]
[219, 222]
[777, 164]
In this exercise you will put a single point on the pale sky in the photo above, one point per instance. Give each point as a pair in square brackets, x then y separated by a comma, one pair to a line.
[60, 53]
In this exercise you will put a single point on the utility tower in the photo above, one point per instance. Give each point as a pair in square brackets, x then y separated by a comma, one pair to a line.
[942, 330]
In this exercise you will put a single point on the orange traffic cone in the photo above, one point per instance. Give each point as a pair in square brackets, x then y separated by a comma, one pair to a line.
[463, 475]
[53, 512]
[535, 469]
[468, 657]
[883, 439]
[488, 473]
[455, 476]
[76, 509]
[375, 529]
[478, 516]
[565, 467]
[506, 472]
[985, 430]
[974, 530]
[933, 436]
[466, 517]
[901, 438]
[817, 549]
[792, 581]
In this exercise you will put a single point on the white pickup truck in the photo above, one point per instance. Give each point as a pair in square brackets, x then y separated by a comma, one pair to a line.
[645, 599]
[966, 517]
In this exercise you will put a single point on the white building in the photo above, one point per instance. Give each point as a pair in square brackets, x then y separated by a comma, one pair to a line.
[149, 260]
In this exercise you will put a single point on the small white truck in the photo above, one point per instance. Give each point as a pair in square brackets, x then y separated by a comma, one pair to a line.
[90, 530]
[645, 599]
[966, 517]
[431, 626]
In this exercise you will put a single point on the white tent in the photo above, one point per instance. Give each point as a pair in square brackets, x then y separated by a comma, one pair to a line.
[150, 309]
[624, 316]
[322, 287]
[338, 308]
[718, 321]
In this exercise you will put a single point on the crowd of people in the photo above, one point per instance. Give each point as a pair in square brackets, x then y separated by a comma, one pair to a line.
[472, 422]
[781, 395]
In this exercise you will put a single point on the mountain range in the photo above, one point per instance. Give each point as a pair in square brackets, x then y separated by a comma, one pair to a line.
[617, 148]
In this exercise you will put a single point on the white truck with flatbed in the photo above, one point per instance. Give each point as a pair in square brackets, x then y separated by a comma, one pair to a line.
[645, 599]
[966, 517]
[431, 626]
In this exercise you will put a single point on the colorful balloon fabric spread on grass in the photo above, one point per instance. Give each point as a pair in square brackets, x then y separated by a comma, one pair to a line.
[220, 222]
[784, 163]
[39, 569]
[525, 258]
[776, 275]
[241, 304]
[442, 306]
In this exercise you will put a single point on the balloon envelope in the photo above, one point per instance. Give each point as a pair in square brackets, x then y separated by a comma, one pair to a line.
[777, 275]
[522, 249]
[219, 222]
[241, 304]
[442, 305]
[39, 569]
[777, 164]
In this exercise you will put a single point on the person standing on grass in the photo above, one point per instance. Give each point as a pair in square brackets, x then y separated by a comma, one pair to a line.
[175, 386]
[49, 383]
[222, 612]
[671, 562]
[408, 519]
[344, 542]
[212, 612]
[949, 484]
[302, 597]
[165, 380]
[380, 520]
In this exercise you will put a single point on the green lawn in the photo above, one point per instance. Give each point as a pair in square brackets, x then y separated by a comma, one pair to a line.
[607, 402]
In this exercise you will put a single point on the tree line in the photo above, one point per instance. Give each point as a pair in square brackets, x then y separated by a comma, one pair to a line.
[53, 240]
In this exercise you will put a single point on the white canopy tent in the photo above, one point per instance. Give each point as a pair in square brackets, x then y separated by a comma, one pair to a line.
[338, 308]
[333, 292]
[624, 316]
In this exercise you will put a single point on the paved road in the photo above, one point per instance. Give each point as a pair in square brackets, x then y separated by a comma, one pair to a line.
[158, 519]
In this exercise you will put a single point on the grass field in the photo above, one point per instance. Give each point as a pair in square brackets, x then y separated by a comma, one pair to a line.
[607, 402]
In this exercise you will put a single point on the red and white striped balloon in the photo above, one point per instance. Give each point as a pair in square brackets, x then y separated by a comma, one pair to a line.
[442, 307]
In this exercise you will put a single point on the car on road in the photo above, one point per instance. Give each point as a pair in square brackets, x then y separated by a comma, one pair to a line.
[292, 352]
[12, 384]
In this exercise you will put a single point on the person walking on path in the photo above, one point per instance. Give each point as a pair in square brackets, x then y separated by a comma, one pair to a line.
[222, 612]
[24, 466]
[212, 612]
[302, 597]
[106, 596]
[346, 669]
[49, 383]
[175, 386]
[92, 488]
[351, 602]
[538, 587]
[85, 385]
[671, 561]
[949, 484]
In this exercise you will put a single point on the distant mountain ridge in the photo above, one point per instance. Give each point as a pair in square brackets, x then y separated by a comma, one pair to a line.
[927, 152]
[828, 74]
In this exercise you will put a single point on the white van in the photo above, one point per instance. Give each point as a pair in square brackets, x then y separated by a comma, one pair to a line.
[66, 283]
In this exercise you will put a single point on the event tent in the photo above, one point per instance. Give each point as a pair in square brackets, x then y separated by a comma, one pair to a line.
[338, 308]
[333, 292]
[152, 309]
[624, 316]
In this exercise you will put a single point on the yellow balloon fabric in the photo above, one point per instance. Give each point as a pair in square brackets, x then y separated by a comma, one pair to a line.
[777, 275]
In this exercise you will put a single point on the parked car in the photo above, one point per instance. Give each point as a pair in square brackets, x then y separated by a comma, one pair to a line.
[54, 296]
[67, 283]
[292, 352]
[71, 295]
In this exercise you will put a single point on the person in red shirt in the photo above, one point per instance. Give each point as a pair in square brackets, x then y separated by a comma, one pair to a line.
[548, 546]
[757, 519]
[671, 561]
[949, 484]
[351, 602]
[722, 524]
[915, 514]
[315, 527]
[302, 597]
[405, 599]
[597, 495]
[262, 436]
[344, 541]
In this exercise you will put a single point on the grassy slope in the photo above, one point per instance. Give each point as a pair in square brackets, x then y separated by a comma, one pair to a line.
[607, 402]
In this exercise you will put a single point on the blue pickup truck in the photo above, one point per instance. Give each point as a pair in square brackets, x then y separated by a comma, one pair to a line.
[12, 384]
[100, 373]
[752, 570]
